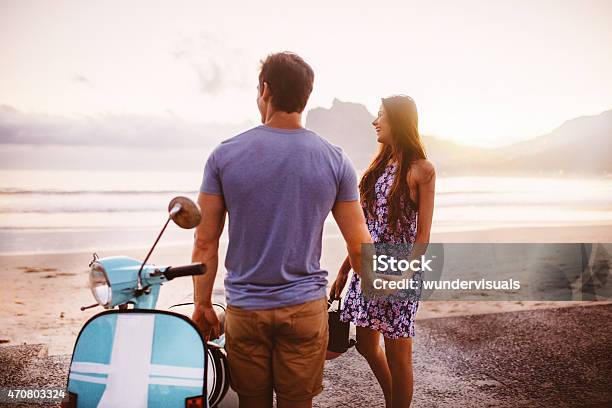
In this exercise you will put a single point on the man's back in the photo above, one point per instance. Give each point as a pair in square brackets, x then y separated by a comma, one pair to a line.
[279, 186]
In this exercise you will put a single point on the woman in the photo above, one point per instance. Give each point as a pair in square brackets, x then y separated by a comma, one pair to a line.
[397, 196]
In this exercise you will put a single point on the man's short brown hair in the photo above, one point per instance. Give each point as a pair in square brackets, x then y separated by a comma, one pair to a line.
[289, 79]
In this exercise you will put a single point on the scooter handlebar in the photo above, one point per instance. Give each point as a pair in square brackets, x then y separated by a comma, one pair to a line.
[186, 270]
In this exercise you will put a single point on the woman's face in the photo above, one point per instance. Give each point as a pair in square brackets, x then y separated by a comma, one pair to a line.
[383, 127]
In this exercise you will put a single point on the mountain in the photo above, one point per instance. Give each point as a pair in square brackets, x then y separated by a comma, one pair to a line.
[109, 130]
[348, 125]
[579, 146]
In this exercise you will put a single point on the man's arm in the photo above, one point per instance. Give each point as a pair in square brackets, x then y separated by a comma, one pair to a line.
[349, 217]
[206, 250]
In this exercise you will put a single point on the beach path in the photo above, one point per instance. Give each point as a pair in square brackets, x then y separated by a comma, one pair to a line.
[534, 358]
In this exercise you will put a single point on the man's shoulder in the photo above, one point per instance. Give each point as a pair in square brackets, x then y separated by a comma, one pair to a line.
[233, 144]
[327, 145]
[240, 136]
[314, 141]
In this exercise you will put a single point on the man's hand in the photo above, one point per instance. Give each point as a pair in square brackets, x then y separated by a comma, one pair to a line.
[205, 318]
[205, 250]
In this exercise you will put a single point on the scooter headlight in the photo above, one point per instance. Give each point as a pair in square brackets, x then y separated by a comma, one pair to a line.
[99, 284]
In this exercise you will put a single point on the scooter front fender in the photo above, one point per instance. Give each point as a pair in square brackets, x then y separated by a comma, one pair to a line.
[138, 357]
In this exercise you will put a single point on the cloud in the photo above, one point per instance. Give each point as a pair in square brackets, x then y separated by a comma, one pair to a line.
[211, 81]
[109, 130]
[217, 64]
[80, 79]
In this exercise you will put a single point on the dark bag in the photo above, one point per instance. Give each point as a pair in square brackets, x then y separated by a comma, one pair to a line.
[338, 331]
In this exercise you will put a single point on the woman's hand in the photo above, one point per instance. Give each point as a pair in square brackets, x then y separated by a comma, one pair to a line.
[340, 282]
[205, 318]
[338, 285]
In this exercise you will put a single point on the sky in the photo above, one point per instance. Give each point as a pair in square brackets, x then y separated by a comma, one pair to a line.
[482, 72]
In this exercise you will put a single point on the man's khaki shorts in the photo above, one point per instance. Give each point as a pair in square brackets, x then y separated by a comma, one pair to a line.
[281, 349]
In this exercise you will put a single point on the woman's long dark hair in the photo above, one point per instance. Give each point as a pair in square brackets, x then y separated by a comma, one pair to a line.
[406, 148]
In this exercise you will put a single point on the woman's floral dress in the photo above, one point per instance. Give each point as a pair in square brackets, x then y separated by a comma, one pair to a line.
[393, 317]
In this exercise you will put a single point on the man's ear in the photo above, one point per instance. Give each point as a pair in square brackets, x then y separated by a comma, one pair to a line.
[265, 93]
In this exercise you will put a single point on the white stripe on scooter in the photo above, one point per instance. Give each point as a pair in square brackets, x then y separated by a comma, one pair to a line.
[175, 371]
[176, 381]
[155, 380]
[128, 377]
[156, 369]
[90, 368]
[88, 378]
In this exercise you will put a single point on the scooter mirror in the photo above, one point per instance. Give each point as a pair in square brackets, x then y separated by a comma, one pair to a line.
[184, 212]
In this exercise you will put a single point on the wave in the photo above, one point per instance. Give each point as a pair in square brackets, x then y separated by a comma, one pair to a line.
[80, 210]
[17, 191]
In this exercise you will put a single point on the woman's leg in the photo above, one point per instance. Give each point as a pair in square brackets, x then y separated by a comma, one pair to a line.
[368, 345]
[399, 359]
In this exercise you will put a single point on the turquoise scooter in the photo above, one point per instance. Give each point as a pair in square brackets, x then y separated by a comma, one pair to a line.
[140, 356]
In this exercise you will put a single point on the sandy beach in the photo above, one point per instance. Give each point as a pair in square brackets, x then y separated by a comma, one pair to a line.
[41, 294]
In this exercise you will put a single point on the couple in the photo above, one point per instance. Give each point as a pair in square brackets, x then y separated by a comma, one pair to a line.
[278, 182]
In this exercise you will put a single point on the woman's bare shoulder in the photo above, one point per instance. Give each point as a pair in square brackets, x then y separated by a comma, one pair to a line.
[423, 171]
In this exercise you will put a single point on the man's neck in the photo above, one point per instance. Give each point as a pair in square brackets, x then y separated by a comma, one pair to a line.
[284, 120]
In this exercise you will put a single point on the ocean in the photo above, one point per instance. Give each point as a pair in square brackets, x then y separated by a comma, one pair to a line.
[50, 211]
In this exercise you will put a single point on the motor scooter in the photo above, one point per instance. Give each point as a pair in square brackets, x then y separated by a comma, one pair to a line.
[139, 356]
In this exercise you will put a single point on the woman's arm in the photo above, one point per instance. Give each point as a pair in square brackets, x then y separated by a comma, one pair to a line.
[425, 177]
[345, 268]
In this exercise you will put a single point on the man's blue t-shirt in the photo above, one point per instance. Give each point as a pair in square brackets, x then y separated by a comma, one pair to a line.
[279, 186]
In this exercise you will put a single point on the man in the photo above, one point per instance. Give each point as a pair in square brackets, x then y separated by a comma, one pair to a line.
[278, 182]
